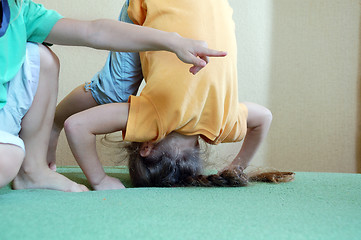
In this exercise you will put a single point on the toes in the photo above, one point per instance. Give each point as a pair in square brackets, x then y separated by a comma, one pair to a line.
[78, 188]
[83, 188]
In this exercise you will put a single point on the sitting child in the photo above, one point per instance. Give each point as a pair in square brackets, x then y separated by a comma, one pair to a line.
[176, 109]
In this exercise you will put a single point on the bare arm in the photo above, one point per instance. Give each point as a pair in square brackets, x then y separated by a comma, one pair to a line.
[258, 121]
[123, 37]
[81, 130]
[258, 124]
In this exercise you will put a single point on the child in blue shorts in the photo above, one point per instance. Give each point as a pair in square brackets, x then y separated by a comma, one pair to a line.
[29, 78]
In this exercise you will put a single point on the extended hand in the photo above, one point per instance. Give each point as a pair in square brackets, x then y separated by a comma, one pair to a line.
[195, 52]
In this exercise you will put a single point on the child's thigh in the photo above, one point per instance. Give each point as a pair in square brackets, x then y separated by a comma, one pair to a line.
[20, 95]
[120, 77]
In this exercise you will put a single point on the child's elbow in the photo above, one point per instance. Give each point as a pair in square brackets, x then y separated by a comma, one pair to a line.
[72, 126]
[267, 116]
[94, 34]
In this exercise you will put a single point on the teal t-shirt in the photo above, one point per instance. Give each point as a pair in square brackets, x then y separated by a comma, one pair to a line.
[29, 22]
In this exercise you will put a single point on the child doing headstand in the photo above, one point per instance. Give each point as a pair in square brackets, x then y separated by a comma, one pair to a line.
[175, 108]
[29, 75]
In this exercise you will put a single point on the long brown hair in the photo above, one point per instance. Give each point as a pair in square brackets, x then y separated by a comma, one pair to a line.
[163, 171]
[185, 170]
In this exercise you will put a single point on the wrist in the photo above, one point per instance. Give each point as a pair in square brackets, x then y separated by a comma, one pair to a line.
[98, 180]
[172, 42]
[238, 162]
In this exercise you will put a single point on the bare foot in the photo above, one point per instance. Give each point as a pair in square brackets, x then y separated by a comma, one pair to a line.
[46, 179]
[109, 183]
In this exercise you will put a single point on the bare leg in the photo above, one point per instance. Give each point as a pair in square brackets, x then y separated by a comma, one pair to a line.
[11, 158]
[76, 101]
[258, 123]
[36, 127]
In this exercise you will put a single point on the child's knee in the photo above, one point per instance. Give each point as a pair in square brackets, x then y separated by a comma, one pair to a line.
[49, 62]
[11, 159]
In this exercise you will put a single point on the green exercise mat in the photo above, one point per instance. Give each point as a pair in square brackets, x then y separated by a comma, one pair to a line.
[314, 206]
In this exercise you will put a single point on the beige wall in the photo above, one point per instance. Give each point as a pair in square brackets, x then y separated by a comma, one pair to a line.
[314, 76]
[300, 58]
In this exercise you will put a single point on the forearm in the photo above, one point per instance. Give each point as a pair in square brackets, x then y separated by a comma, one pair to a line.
[258, 121]
[111, 35]
[124, 37]
[249, 148]
[83, 146]
[117, 36]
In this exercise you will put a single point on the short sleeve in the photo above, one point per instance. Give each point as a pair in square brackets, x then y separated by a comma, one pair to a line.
[38, 20]
[143, 121]
[137, 11]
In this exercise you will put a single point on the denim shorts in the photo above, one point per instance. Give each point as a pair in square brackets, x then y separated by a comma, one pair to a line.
[121, 75]
[20, 94]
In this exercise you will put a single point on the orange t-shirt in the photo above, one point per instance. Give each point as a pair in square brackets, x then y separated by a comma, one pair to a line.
[174, 99]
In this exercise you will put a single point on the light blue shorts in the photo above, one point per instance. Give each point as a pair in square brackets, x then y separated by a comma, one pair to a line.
[120, 76]
[20, 94]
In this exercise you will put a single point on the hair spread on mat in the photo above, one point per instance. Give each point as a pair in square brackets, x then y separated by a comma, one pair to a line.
[185, 170]
[163, 171]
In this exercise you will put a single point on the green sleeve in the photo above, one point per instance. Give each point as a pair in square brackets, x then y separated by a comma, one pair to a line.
[38, 20]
